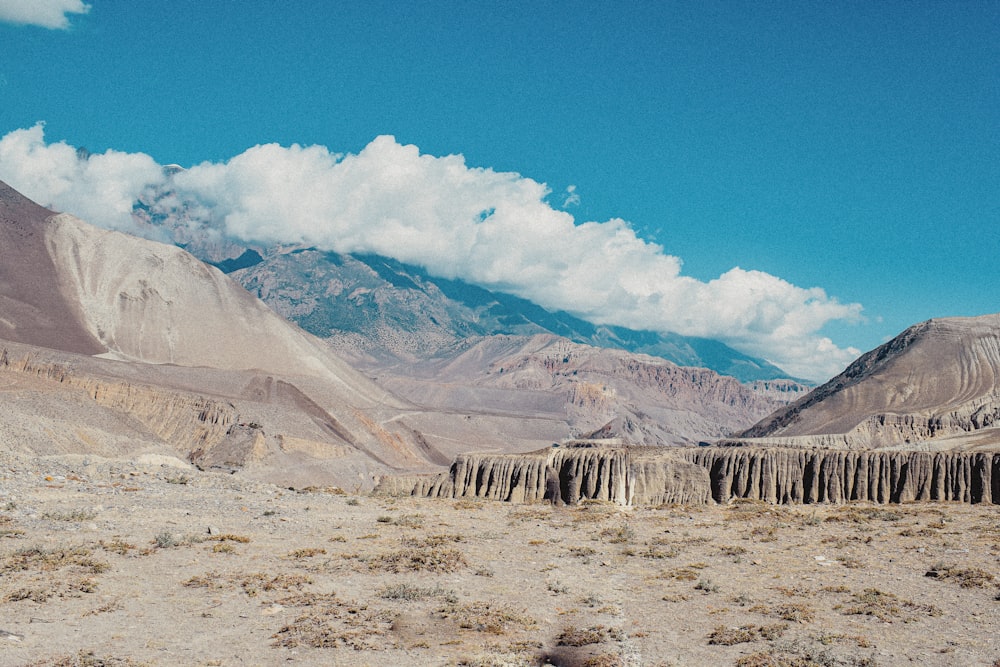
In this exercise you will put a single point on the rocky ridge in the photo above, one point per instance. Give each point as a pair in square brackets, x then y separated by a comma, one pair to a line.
[936, 386]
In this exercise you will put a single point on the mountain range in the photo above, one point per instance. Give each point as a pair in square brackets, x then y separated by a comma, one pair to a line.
[114, 345]
[378, 310]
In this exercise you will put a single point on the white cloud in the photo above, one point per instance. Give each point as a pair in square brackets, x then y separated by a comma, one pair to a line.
[572, 197]
[490, 228]
[44, 13]
[101, 188]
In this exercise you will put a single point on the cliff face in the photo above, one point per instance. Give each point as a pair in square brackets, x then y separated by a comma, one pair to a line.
[801, 476]
[262, 426]
[564, 476]
[650, 477]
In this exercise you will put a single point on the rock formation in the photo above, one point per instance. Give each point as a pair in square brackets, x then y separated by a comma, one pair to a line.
[611, 393]
[564, 475]
[649, 476]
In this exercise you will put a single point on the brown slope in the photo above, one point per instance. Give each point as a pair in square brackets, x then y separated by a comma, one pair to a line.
[34, 306]
[71, 287]
[937, 380]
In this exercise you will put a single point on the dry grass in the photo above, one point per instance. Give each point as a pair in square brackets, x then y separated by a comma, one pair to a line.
[727, 636]
[418, 559]
[887, 606]
[492, 617]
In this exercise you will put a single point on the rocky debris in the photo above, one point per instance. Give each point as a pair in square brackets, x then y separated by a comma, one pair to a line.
[649, 476]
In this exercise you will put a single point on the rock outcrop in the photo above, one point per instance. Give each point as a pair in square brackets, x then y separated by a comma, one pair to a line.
[778, 475]
[625, 476]
[648, 476]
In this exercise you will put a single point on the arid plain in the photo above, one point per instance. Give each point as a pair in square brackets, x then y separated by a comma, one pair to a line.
[126, 563]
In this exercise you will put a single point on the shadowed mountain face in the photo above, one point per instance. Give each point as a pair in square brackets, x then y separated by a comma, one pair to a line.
[35, 306]
[935, 386]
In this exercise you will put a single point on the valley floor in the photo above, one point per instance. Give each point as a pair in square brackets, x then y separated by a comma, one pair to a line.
[108, 563]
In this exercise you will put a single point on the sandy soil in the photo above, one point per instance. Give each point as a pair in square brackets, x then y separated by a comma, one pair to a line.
[111, 563]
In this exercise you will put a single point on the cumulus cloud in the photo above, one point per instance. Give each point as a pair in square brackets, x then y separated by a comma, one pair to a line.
[44, 13]
[101, 188]
[490, 228]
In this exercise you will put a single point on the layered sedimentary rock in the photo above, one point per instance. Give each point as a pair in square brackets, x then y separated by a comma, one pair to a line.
[936, 386]
[610, 393]
[646, 476]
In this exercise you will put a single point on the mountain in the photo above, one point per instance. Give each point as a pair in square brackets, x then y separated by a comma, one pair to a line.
[114, 345]
[34, 306]
[602, 393]
[375, 309]
[379, 310]
[935, 386]
[171, 354]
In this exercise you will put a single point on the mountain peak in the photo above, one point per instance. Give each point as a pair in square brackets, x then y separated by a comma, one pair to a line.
[937, 377]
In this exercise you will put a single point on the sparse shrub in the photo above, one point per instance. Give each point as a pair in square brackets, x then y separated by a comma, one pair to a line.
[307, 553]
[490, 617]
[573, 636]
[73, 515]
[252, 584]
[430, 541]
[794, 611]
[620, 535]
[885, 606]
[582, 552]
[49, 560]
[603, 660]
[857, 514]
[418, 559]
[409, 593]
[707, 585]
[726, 636]
[165, 540]
[968, 577]
[557, 587]
[230, 537]
[117, 545]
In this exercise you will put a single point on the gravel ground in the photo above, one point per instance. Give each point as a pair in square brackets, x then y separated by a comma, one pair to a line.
[152, 563]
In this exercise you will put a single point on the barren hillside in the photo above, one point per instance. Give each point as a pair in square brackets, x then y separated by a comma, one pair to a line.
[936, 385]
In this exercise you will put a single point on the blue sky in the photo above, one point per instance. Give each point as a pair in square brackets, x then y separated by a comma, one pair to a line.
[848, 146]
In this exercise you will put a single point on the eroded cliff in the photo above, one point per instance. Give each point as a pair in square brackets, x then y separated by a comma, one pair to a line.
[649, 476]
